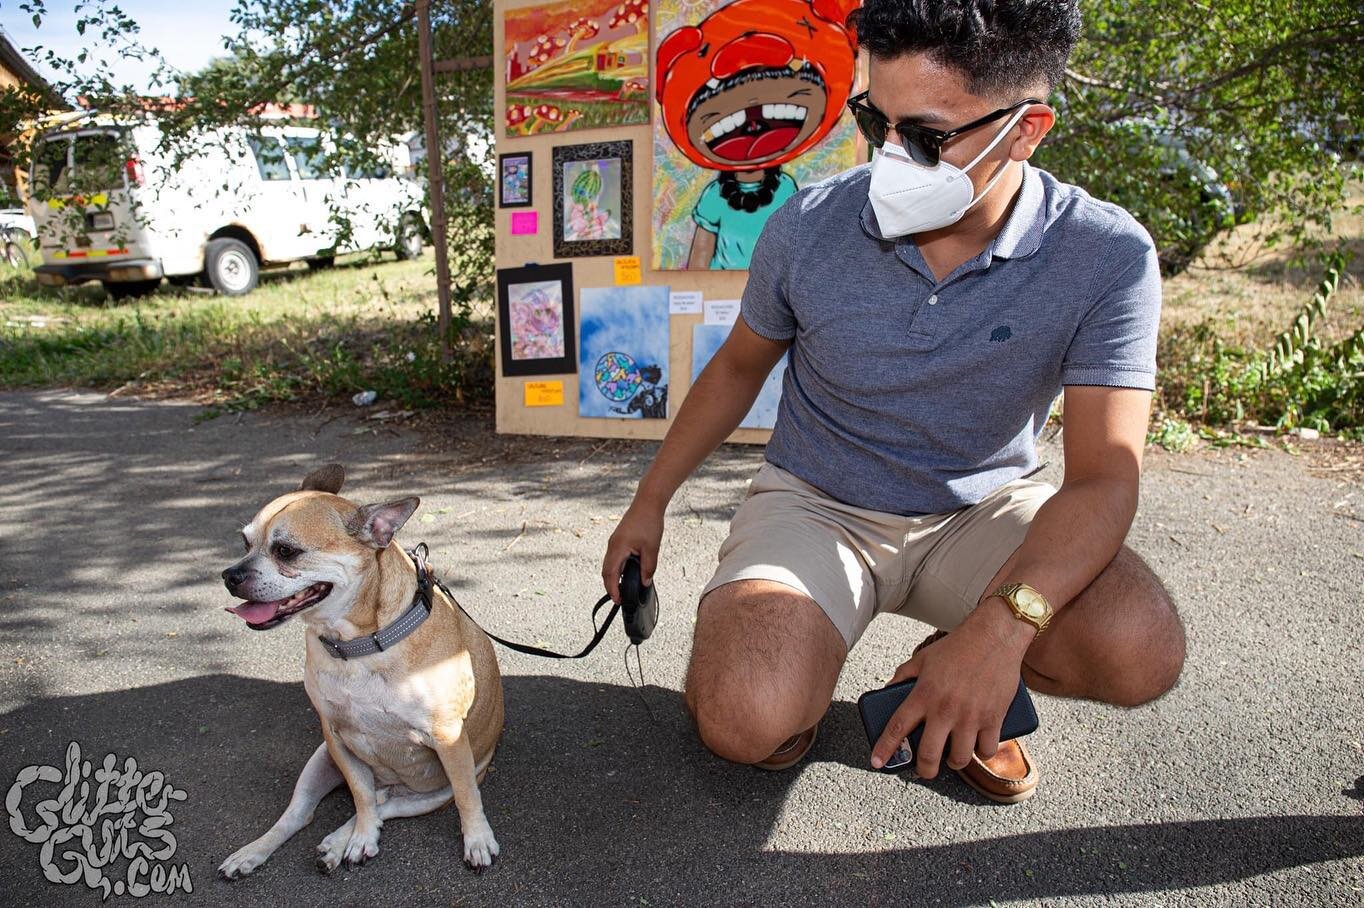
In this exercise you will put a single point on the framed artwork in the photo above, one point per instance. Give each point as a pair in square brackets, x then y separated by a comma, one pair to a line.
[576, 64]
[623, 359]
[514, 180]
[705, 341]
[733, 142]
[535, 319]
[593, 200]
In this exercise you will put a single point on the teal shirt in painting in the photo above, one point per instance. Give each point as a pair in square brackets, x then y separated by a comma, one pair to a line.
[736, 232]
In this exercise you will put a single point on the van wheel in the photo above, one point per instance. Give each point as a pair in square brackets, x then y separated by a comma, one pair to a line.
[231, 267]
[409, 239]
[122, 290]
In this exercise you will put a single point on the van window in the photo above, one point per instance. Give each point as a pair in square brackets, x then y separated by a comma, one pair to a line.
[308, 158]
[97, 162]
[368, 172]
[269, 158]
[49, 166]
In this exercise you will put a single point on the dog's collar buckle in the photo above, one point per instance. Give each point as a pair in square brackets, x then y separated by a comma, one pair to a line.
[333, 647]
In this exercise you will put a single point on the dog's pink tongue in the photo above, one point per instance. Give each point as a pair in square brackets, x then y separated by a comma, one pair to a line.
[256, 612]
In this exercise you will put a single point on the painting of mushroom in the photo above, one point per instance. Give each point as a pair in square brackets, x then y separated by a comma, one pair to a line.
[578, 64]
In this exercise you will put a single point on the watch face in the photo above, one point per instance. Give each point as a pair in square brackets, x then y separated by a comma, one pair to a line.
[1031, 603]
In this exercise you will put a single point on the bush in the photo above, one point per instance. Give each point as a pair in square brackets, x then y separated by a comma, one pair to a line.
[1302, 381]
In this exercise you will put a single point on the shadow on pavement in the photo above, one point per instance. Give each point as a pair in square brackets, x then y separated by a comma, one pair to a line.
[592, 802]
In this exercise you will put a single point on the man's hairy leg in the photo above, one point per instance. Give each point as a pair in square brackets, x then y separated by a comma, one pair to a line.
[1120, 641]
[763, 667]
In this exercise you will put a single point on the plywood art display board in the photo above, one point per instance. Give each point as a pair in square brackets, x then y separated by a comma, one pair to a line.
[576, 72]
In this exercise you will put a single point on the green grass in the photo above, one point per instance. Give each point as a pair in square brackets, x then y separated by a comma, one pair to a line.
[364, 325]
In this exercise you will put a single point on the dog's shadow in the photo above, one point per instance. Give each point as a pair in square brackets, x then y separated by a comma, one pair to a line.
[593, 802]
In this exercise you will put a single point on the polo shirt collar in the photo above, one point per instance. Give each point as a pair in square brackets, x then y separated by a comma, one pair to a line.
[1022, 232]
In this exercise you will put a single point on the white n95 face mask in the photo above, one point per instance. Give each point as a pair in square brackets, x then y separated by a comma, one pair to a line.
[911, 198]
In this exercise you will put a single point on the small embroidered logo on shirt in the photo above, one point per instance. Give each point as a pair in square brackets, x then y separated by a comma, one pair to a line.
[1001, 334]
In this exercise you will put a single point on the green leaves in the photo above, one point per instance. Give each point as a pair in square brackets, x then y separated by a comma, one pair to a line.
[1197, 116]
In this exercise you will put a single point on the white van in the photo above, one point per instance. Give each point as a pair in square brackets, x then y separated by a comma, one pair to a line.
[110, 207]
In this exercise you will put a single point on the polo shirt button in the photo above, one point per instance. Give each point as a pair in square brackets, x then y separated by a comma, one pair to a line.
[933, 300]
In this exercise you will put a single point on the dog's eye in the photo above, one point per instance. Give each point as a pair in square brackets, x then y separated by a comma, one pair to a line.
[284, 551]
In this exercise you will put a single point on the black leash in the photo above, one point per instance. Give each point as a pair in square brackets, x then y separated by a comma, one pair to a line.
[425, 578]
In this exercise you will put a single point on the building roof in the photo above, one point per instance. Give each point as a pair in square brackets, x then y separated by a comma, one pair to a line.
[14, 61]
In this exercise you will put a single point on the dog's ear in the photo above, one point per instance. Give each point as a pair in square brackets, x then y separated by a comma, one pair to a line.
[324, 479]
[375, 524]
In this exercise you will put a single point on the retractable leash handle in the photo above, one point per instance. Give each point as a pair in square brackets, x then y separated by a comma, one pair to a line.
[639, 603]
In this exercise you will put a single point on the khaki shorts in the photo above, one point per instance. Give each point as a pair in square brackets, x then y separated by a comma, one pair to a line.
[857, 563]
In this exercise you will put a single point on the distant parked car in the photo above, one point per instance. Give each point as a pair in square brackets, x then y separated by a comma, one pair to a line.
[18, 219]
[1198, 203]
[111, 206]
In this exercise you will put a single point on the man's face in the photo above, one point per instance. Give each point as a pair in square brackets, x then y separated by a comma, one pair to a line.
[912, 87]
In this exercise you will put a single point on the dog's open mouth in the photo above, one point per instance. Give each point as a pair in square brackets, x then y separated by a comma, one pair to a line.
[261, 616]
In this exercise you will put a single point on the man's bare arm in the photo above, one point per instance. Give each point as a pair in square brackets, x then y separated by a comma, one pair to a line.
[712, 410]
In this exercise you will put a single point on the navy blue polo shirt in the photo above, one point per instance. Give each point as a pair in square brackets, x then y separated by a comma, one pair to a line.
[911, 395]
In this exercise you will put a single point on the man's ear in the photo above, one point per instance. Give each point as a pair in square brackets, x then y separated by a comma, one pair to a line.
[324, 479]
[375, 524]
[1034, 126]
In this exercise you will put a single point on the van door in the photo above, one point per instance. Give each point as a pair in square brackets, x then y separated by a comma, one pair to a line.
[320, 189]
[82, 184]
[280, 215]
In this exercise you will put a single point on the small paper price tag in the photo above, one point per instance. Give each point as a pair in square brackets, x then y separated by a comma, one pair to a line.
[628, 270]
[544, 394]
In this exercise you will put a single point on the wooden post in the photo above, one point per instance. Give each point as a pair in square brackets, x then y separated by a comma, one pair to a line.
[434, 175]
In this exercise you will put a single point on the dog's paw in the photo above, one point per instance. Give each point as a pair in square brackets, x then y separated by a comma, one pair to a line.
[480, 848]
[363, 845]
[330, 849]
[243, 861]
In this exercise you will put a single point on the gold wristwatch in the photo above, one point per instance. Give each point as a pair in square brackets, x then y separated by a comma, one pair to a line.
[1027, 603]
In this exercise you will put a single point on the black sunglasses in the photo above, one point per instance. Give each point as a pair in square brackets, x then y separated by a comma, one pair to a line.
[923, 144]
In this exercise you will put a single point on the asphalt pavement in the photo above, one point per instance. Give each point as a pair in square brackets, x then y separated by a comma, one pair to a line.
[1243, 786]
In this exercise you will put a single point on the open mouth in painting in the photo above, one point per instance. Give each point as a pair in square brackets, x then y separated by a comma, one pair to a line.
[756, 115]
[756, 132]
[261, 616]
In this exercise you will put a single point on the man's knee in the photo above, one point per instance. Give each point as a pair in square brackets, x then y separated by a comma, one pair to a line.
[731, 721]
[1150, 646]
[1123, 643]
[1153, 668]
[763, 666]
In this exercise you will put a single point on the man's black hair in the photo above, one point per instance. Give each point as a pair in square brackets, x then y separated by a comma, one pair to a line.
[1003, 47]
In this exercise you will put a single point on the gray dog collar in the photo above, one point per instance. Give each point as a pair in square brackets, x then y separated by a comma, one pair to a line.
[389, 635]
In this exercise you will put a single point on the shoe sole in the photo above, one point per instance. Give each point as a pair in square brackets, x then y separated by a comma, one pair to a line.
[792, 761]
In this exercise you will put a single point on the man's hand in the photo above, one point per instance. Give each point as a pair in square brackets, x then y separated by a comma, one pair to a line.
[639, 532]
[966, 682]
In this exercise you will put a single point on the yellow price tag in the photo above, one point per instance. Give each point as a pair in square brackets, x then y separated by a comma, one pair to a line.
[628, 270]
[544, 394]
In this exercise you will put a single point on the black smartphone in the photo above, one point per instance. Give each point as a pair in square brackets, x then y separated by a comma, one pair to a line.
[877, 706]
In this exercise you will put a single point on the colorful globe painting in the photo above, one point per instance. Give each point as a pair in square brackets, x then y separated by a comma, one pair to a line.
[617, 376]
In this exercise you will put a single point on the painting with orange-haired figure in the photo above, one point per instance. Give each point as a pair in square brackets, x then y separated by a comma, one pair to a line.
[576, 65]
[750, 99]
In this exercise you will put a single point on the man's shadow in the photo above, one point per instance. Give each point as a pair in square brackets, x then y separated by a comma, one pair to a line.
[593, 802]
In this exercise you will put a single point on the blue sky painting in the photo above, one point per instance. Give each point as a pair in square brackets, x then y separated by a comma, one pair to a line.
[705, 340]
[623, 352]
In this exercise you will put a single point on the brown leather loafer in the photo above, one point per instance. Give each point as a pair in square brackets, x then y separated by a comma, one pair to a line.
[1008, 777]
[790, 752]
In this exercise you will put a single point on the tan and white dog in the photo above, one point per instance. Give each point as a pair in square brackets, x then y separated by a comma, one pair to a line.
[406, 728]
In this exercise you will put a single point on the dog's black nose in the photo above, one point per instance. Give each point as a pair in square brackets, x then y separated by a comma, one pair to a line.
[233, 576]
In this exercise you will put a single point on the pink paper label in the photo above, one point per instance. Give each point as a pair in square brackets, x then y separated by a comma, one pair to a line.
[524, 222]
